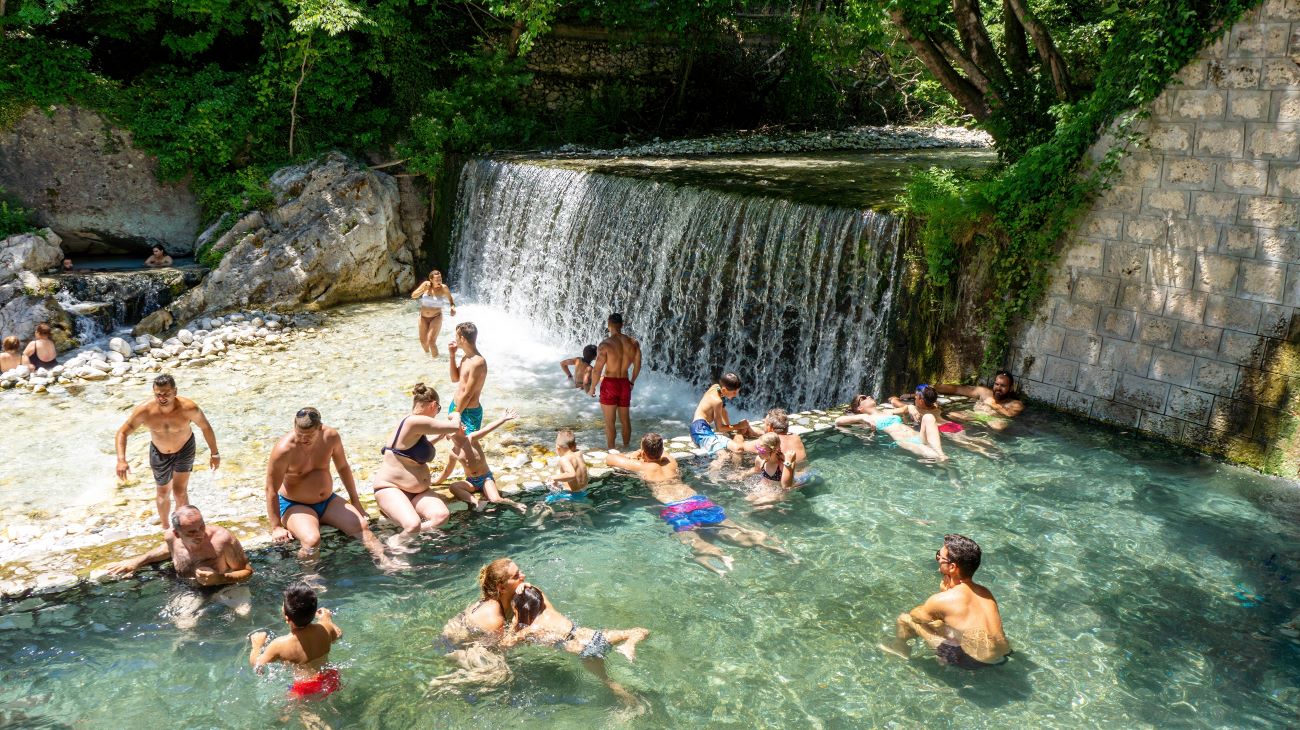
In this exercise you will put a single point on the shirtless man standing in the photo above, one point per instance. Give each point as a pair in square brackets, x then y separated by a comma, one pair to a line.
[994, 406]
[614, 357]
[207, 555]
[685, 510]
[470, 374]
[171, 449]
[961, 622]
[300, 491]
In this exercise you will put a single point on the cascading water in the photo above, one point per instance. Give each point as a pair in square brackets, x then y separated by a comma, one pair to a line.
[794, 297]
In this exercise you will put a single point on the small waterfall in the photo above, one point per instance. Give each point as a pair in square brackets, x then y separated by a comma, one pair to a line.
[795, 298]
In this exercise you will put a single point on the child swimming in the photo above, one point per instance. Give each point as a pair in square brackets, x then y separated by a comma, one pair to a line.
[306, 648]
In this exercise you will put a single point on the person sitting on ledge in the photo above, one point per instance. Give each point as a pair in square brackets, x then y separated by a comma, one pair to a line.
[207, 555]
[778, 422]
[711, 418]
[41, 352]
[158, 258]
[12, 355]
[479, 487]
[961, 622]
[306, 648]
[994, 406]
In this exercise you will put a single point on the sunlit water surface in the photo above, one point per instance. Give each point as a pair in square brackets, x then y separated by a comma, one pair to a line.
[1140, 585]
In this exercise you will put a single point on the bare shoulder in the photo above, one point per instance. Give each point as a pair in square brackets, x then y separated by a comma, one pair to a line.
[220, 536]
[188, 406]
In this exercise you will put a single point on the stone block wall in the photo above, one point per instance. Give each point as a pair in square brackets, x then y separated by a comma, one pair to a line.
[1175, 307]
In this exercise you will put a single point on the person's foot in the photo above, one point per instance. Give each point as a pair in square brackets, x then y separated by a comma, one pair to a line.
[315, 582]
[628, 648]
[392, 565]
[897, 648]
[480, 505]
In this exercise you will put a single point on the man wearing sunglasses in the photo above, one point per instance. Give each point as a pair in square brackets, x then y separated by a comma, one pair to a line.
[961, 622]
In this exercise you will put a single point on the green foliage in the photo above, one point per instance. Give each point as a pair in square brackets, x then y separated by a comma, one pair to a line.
[1025, 210]
[13, 218]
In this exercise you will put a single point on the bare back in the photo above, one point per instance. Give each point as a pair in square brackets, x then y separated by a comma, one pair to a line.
[971, 616]
[621, 353]
[661, 475]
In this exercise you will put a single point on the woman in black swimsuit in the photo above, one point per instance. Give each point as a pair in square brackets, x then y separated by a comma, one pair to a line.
[402, 482]
[41, 352]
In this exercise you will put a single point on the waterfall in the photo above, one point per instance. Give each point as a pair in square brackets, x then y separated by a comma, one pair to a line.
[795, 298]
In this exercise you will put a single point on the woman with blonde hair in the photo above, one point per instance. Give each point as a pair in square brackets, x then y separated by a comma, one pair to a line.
[434, 296]
[403, 482]
[12, 356]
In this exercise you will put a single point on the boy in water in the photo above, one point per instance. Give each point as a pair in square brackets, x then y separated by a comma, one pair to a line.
[466, 450]
[580, 376]
[306, 648]
[570, 480]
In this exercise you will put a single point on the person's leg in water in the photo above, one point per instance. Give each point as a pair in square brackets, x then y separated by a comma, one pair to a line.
[434, 329]
[610, 412]
[597, 667]
[464, 491]
[906, 629]
[931, 437]
[706, 552]
[341, 515]
[748, 537]
[625, 418]
[625, 640]
[413, 513]
[494, 496]
[237, 597]
[301, 522]
[424, 332]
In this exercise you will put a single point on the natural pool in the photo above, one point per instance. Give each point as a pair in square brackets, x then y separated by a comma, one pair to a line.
[1141, 585]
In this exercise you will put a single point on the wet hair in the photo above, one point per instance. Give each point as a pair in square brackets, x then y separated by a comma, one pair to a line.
[616, 319]
[566, 439]
[11, 344]
[422, 394]
[770, 441]
[1011, 380]
[928, 394]
[730, 381]
[468, 331]
[431, 273]
[491, 576]
[652, 445]
[300, 604]
[528, 605]
[158, 249]
[589, 354]
[857, 401]
[43, 329]
[964, 553]
[164, 381]
[185, 511]
[307, 418]
[777, 420]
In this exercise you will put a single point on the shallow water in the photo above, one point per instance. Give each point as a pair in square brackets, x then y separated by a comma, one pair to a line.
[1115, 559]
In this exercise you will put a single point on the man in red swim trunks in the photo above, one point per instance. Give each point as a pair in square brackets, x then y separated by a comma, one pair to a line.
[306, 647]
[614, 357]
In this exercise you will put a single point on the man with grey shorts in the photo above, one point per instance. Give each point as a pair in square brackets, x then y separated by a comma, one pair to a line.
[171, 449]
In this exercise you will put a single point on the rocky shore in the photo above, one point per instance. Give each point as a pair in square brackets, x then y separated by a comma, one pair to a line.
[853, 138]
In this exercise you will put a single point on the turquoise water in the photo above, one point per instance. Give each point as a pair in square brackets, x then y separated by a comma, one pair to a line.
[1116, 561]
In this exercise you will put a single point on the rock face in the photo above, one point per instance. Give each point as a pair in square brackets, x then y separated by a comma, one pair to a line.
[83, 178]
[25, 299]
[36, 252]
[335, 237]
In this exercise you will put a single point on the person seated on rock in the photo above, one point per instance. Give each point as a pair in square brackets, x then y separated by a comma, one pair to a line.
[402, 484]
[580, 376]
[12, 355]
[158, 258]
[67, 264]
[207, 556]
[41, 352]
[465, 450]
[711, 418]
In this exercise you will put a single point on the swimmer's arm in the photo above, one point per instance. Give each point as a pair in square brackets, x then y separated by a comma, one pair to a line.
[787, 474]
[263, 652]
[419, 290]
[28, 352]
[970, 391]
[429, 425]
[325, 617]
[598, 367]
[850, 420]
[929, 612]
[567, 474]
[624, 462]
[451, 303]
[510, 415]
[130, 565]
[564, 365]
[345, 473]
[446, 470]
[1011, 409]
[235, 556]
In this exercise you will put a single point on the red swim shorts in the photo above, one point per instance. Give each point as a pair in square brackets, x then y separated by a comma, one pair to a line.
[616, 392]
[316, 688]
[951, 427]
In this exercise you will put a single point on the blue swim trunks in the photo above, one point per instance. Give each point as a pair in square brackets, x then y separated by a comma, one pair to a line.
[470, 418]
[702, 436]
[565, 495]
[478, 481]
[319, 507]
[692, 513]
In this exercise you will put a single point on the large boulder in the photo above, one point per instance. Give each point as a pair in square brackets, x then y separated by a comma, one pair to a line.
[20, 315]
[335, 236]
[81, 177]
[36, 252]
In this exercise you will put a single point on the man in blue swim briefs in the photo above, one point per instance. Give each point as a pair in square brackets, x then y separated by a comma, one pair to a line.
[961, 622]
[469, 375]
[711, 420]
[686, 511]
[300, 490]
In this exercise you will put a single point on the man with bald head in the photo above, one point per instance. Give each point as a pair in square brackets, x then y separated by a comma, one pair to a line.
[207, 556]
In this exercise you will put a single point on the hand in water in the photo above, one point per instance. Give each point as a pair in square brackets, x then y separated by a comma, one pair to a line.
[324, 613]
[205, 576]
[121, 567]
[280, 535]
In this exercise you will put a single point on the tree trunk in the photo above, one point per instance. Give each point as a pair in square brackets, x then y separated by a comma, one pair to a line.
[293, 108]
[1013, 37]
[973, 71]
[970, 26]
[1046, 48]
[962, 90]
[516, 32]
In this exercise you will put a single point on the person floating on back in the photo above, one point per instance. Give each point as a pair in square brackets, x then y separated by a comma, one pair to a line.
[580, 376]
[306, 648]
[618, 363]
[961, 622]
[469, 375]
[711, 418]
[994, 406]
